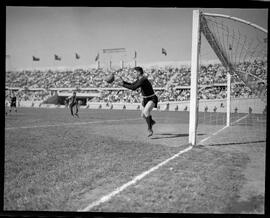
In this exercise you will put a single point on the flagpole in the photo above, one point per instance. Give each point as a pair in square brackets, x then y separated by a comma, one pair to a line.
[97, 60]
[75, 61]
[135, 59]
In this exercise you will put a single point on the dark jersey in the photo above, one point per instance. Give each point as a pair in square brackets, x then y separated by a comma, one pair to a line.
[13, 100]
[143, 83]
[72, 99]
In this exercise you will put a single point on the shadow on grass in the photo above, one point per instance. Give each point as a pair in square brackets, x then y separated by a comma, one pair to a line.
[171, 135]
[238, 143]
[254, 123]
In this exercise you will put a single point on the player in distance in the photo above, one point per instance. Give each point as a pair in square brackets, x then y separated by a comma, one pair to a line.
[13, 101]
[150, 100]
[73, 102]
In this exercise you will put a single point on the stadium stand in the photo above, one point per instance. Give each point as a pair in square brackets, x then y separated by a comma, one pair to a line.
[37, 85]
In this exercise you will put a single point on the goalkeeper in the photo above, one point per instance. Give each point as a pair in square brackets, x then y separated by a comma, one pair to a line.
[73, 102]
[150, 100]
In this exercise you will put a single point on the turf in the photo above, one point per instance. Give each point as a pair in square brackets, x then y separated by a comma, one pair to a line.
[208, 179]
[73, 162]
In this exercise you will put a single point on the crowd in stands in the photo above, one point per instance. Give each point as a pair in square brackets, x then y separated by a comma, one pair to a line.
[210, 79]
[257, 68]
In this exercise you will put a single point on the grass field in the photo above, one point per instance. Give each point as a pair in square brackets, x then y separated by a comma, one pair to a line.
[54, 162]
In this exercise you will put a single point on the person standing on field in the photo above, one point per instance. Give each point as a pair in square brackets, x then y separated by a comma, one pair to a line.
[13, 101]
[73, 102]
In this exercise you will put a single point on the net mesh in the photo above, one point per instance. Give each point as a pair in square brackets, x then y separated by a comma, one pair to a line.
[240, 48]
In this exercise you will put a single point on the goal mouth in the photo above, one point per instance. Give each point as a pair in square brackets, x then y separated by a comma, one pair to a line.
[228, 63]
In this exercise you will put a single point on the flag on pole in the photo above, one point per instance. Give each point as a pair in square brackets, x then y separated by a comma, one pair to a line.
[77, 56]
[97, 57]
[35, 58]
[135, 55]
[163, 51]
[57, 58]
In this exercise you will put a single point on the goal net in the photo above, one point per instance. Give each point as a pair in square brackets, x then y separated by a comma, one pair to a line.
[228, 73]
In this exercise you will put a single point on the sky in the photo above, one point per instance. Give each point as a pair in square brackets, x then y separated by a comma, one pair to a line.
[45, 31]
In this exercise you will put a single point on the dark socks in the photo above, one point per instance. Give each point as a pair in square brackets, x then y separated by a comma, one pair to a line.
[71, 111]
[152, 121]
[148, 121]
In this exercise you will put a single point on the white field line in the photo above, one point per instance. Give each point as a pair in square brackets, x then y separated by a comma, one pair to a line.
[214, 119]
[67, 124]
[239, 119]
[133, 181]
[215, 133]
[109, 196]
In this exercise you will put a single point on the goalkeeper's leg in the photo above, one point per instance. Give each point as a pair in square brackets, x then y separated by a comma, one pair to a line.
[146, 113]
[77, 110]
[71, 109]
[143, 116]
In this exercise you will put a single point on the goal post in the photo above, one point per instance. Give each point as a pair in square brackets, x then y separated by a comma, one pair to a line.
[194, 77]
[241, 48]
[228, 115]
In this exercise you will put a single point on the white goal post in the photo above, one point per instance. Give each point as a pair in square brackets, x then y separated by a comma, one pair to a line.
[194, 77]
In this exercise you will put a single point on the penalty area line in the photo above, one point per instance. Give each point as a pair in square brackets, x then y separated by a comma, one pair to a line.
[109, 196]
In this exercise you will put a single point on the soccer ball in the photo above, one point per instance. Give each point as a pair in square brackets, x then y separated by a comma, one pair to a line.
[109, 78]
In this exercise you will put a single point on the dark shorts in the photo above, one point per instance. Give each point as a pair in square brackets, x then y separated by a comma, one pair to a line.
[153, 98]
[13, 104]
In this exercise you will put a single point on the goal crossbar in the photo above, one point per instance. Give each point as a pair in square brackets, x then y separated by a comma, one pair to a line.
[237, 19]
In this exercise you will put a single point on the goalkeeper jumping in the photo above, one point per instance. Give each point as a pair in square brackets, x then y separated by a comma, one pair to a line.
[150, 100]
[73, 102]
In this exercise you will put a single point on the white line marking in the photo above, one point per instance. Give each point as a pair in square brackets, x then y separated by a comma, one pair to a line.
[107, 197]
[204, 139]
[133, 181]
[215, 133]
[67, 124]
[239, 119]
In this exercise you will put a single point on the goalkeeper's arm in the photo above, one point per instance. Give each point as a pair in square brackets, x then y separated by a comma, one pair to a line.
[67, 99]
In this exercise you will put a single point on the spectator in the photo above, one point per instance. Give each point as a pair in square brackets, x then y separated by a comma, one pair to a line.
[210, 76]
